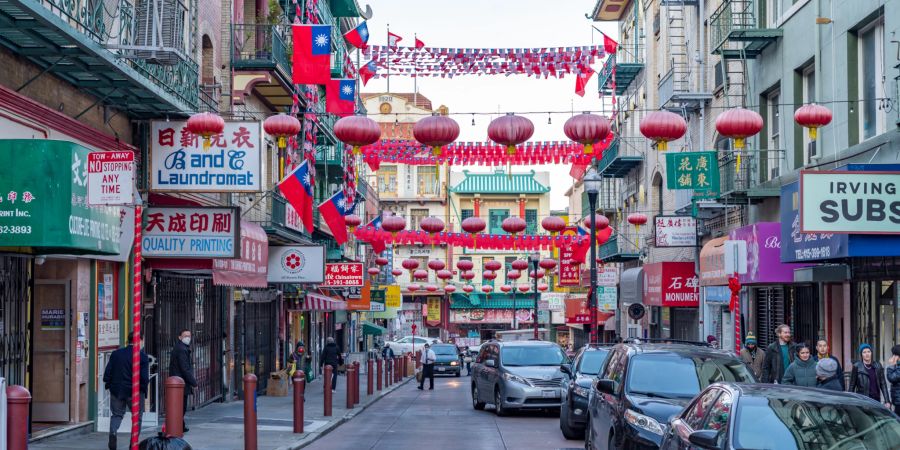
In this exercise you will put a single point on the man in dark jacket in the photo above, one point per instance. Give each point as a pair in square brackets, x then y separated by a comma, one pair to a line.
[893, 376]
[181, 364]
[779, 355]
[331, 356]
[867, 377]
[117, 379]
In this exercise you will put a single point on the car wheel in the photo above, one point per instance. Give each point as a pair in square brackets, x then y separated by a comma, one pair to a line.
[478, 405]
[498, 403]
[611, 444]
[568, 431]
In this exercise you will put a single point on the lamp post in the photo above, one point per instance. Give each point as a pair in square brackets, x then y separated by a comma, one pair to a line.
[592, 182]
[534, 259]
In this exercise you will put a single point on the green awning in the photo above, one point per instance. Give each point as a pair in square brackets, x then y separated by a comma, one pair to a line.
[371, 328]
[493, 301]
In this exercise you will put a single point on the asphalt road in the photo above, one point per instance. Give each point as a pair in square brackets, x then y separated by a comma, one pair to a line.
[409, 419]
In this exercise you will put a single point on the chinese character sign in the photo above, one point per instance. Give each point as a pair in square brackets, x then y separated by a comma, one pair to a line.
[693, 170]
[178, 161]
[392, 297]
[191, 232]
[672, 284]
[250, 269]
[434, 310]
[569, 274]
[343, 275]
[676, 231]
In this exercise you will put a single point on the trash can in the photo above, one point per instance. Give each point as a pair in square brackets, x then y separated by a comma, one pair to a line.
[163, 442]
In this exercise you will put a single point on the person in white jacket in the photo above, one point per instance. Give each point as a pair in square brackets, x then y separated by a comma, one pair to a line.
[427, 359]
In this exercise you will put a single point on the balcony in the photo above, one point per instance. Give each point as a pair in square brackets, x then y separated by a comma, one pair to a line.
[627, 65]
[328, 154]
[278, 219]
[736, 32]
[741, 184]
[260, 56]
[620, 247]
[621, 157]
[607, 200]
[676, 94]
[106, 50]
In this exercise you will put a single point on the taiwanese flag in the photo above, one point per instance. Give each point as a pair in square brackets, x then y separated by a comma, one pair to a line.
[378, 245]
[333, 211]
[359, 36]
[297, 190]
[340, 96]
[367, 71]
[582, 80]
[312, 54]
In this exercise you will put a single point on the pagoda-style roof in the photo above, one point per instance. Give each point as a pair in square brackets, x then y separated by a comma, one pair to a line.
[499, 182]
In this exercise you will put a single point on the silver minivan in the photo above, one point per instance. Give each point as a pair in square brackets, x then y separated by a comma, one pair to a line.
[518, 375]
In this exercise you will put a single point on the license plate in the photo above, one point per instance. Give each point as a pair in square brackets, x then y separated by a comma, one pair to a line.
[440, 369]
[550, 394]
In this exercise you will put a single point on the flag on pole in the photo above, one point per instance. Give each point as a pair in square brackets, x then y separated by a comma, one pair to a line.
[312, 54]
[333, 211]
[367, 72]
[609, 45]
[419, 44]
[297, 190]
[359, 36]
[340, 96]
[393, 39]
[378, 246]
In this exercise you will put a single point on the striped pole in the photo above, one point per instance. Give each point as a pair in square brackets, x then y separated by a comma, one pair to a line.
[136, 344]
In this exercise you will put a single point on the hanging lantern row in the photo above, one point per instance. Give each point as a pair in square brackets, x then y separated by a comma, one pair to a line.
[637, 219]
[662, 127]
[481, 154]
[281, 127]
[553, 224]
[436, 131]
[490, 241]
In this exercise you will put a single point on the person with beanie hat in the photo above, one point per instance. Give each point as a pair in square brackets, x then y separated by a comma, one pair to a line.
[753, 356]
[867, 377]
[801, 372]
[712, 341]
[893, 376]
[827, 376]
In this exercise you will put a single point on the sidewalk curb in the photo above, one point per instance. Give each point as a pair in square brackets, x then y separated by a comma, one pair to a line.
[313, 436]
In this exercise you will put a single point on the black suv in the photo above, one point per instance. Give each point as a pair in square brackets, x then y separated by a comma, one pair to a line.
[642, 385]
[581, 373]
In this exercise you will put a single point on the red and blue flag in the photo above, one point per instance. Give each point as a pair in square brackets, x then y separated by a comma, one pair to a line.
[359, 36]
[367, 71]
[378, 246]
[312, 54]
[333, 211]
[297, 190]
[340, 96]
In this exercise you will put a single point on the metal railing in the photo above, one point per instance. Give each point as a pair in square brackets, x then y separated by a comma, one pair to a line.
[619, 147]
[256, 46]
[736, 177]
[730, 16]
[210, 95]
[621, 243]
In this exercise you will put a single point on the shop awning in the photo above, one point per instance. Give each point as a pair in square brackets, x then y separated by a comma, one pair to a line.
[250, 269]
[316, 302]
[493, 301]
[371, 328]
[632, 285]
[712, 263]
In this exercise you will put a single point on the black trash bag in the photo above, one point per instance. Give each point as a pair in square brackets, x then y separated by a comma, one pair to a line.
[163, 442]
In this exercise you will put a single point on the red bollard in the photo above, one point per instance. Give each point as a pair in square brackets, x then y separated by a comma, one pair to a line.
[327, 393]
[419, 359]
[17, 400]
[356, 381]
[175, 406]
[370, 368]
[378, 363]
[249, 411]
[398, 375]
[405, 366]
[299, 391]
[350, 377]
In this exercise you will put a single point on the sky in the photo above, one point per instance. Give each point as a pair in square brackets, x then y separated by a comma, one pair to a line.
[495, 24]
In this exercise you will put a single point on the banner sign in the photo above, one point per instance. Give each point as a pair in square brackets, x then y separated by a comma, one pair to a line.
[608, 275]
[179, 163]
[339, 275]
[296, 264]
[693, 170]
[359, 298]
[676, 231]
[672, 284]
[377, 299]
[607, 298]
[393, 297]
[110, 178]
[191, 232]
[849, 202]
[555, 300]
[490, 316]
[569, 274]
[250, 269]
[291, 218]
[577, 311]
[434, 311]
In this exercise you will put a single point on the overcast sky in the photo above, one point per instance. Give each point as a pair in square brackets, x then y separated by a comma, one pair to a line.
[495, 24]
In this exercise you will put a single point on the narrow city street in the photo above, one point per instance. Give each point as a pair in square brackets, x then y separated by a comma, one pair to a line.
[443, 419]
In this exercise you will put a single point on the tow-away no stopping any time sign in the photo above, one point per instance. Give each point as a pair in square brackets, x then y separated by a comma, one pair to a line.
[110, 178]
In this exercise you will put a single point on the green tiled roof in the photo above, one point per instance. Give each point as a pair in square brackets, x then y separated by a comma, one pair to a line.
[496, 301]
[499, 182]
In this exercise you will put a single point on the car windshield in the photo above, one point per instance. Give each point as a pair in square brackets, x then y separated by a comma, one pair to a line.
[678, 376]
[592, 360]
[444, 349]
[764, 423]
[539, 355]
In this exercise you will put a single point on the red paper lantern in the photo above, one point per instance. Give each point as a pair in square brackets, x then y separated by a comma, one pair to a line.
[473, 226]
[467, 275]
[662, 127]
[487, 289]
[543, 287]
[468, 289]
[431, 288]
[489, 275]
[444, 274]
[436, 131]
[506, 288]
[393, 225]
[436, 264]
[413, 287]
[352, 221]
[547, 263]
[812, 116]
[637, 219]
[396, 272]
[420, 274]
[520, 264]
[587, 129]
[492, 265]
[410, 264]
[464, 265]
[739, 124]
[281, 126]
[510, 130]
[357, 131]
[513, 225]
[449, 288]
[539, 274]
[524, 288]
[553, 224]
[513, 274]
[602, 221]
[381, 261]
[432, 225]
[205, 125]
[373, 271]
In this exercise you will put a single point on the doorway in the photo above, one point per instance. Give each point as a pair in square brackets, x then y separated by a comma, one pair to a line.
[51, 351]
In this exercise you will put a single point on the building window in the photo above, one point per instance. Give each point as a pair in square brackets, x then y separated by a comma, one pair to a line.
[773, 13]
[496, 217]
[428, 180]
[531, 221]
[773, 118]
[809, 96]
[387, 181]
[466, 213]
[871, 79]
[415, 218]
[485, 281]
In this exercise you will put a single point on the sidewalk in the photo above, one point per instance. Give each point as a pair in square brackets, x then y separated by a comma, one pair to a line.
[220, 426]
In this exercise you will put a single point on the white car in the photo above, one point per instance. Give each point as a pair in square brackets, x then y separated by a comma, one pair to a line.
[405, 345]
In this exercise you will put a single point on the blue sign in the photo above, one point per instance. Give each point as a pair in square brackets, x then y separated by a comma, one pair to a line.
[717, 295]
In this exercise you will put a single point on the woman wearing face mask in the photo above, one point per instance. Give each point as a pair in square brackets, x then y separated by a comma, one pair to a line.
[867, 377]
[181, 364]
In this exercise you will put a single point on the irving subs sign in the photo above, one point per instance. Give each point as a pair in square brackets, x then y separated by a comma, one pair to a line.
[849, 202]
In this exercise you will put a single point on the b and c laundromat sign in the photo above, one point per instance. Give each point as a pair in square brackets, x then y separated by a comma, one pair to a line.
[850, 202]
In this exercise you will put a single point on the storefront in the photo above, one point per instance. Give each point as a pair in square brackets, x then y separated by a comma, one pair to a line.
[717, 319]
[488, 314]
[674, 288]
[578, 314]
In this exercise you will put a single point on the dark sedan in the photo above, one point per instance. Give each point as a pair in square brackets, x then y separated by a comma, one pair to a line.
[447, 360]
[574, 410]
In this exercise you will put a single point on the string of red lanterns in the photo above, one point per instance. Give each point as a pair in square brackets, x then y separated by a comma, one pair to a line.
[481, 154]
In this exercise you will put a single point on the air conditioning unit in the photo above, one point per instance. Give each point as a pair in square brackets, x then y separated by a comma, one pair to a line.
[159, 31]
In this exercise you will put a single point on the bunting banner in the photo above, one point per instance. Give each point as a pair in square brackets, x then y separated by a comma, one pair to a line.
[481, 153]
[521, 242]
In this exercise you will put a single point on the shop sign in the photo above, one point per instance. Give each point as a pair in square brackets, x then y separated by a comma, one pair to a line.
[849, 202]
[577, 311]
[434, 310]
[296, 264]
[191, 232]
[797, 246]
[377, 298]
[569, 274]
[110, 179]
[359, 298]
[716, 295]
[712, 262]
[53, 319]
[671, 284]
[393, 297]
[179, 163]
[492, 316]
[763, 254]
[693, 170]
[107, 334]
[676, 231]
[555, 300]
[607, 298]
[250, 269]
[339, 275]
[291, 218]
[543, 316]
[43, 201]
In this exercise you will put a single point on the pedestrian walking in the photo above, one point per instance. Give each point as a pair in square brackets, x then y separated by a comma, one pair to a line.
[300, 360]
[387, 352]
[822, 352]
[779, 355]
[828, 376]
[753, 356]
[801, 372]
[893, 376]
[331, 356]
[427, 359]
[467, 358]
[867, 377]
[181, 364]
[117, 380]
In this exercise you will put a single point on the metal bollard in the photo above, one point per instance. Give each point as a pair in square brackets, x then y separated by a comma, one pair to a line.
[299, 391]
[378, 363]
[250, 412]
[175, 406]
[356, 381]
[350, 377]
[370, 368]
[327, 394]
[17, 400]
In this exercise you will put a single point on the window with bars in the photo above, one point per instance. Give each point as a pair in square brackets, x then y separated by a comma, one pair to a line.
[387, 181]
[466, 213]
[531, 217]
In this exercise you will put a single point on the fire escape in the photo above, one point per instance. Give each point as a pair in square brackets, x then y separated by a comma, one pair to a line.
[677, 88]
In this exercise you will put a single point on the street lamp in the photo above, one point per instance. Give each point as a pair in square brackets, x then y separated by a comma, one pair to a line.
[534, 259]
[592, 181]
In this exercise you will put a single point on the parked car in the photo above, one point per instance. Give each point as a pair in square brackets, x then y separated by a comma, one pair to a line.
[518, 375]
[447, 360]
[581, 373]
[642, 385]
[405, 345]
[744, 416]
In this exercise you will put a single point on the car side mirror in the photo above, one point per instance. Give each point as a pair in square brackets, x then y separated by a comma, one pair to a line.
[606, 386]
[566, 369]
[490, 363]
[705, 439]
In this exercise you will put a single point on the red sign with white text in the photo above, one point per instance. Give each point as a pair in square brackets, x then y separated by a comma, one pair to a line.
[672, 284]
[569, 274]
[339, 275]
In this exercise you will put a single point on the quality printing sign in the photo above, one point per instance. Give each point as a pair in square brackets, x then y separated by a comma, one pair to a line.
[849, 202]
[178, 161]
[191, 232]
